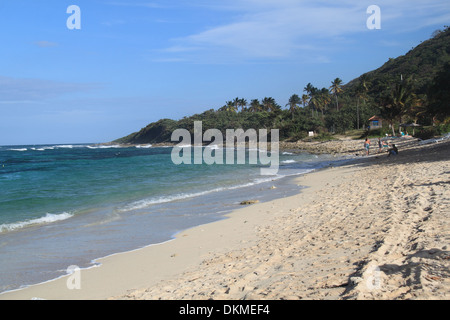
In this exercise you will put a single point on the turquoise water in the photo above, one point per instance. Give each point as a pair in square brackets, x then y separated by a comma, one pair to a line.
[63, 205]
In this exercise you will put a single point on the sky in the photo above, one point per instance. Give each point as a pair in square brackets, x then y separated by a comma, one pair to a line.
[134, 62]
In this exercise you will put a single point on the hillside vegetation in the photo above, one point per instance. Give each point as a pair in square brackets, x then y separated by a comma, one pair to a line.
[413, 88]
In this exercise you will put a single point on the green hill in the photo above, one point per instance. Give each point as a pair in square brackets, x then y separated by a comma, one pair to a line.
[410, 88]
[422, 62]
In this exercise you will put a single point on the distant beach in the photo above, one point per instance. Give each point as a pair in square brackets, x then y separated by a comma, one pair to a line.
[374, 228]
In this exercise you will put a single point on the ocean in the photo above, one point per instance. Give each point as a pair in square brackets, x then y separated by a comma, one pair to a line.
[64, 205]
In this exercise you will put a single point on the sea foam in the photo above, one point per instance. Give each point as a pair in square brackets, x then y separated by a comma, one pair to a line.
[18, 149]
[144, 146]
[48, 218]
[145, 203]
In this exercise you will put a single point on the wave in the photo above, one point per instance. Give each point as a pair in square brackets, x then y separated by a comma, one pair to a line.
[288, 161]
[42, 149]
[47, 219]
[287, 153]
[18, 149]
[184, 146]
[214, 147]
[144, 146]
[142, 204]
[65, 146]
[104, 147]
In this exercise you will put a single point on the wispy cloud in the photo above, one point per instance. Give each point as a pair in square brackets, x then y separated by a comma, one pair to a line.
[403, 16]
[273, 29]
[280, 29]
[114, 22]
[45, 44]
[145, 4]
[21, 90]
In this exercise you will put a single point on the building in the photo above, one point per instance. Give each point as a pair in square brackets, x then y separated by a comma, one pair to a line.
[375, 123]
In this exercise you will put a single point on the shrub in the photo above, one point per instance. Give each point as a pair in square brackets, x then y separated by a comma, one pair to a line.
[443, 128]
[426, 133]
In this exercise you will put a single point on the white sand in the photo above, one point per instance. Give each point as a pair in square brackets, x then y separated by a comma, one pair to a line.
[377, 229]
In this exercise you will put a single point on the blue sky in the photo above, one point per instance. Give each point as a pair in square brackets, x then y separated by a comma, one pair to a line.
[134, 62]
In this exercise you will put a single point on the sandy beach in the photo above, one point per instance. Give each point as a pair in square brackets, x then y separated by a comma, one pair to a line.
[375, 228]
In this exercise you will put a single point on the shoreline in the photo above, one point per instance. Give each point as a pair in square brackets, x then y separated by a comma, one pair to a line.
[343, 146]
[58, 285]
[391, 245]
[59, 282]
[181, 268]
[205, 208]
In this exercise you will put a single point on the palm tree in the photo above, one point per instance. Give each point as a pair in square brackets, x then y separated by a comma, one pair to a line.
[388, 111]
[230, 106]
[309, 89]
[336, 88]
[363, 82]
[315, 102]
[417, 108]
[305, 100]
[242, 103]
[269, 104]
[255, 106]
[311, 93]
[403, 97]
[236, 102]
[293, 103]
[322, 100]
[397, 102]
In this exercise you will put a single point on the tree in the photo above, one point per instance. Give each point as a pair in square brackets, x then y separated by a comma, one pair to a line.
[311, 93]
[293, 103]
[314, 104]
[255, 106]
[242, 103]
[361, 93]
[322, 99]
[305, 100]
[336, 88]
[417, 108]
[230, 106]
[396, 103]
[237, 103]
[388, 111]
[439, 94]
[269, 104]
[309, 89]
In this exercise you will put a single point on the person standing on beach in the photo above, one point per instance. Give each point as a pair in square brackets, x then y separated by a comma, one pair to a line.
[379, 145]
[367, 145]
